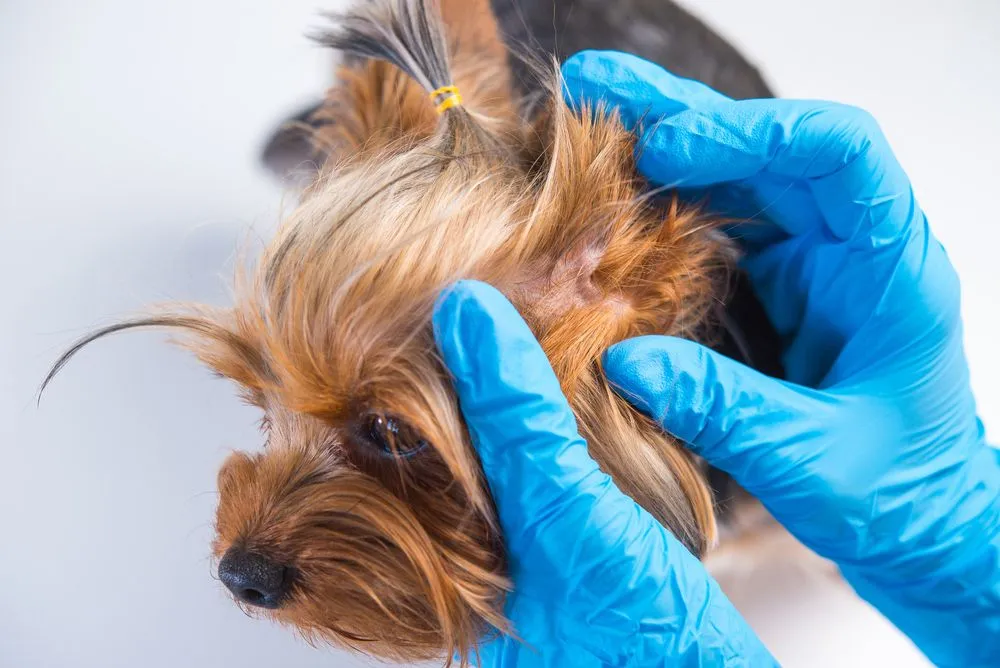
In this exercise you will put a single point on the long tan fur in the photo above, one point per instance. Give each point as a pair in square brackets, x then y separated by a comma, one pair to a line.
[400, 556]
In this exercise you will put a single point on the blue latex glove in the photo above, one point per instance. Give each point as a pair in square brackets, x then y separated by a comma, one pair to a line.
[872, 454]
[597, 580]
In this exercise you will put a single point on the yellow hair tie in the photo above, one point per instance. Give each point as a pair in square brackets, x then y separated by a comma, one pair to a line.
[454, 98]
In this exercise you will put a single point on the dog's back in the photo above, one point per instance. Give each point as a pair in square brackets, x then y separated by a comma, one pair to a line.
[657, 30]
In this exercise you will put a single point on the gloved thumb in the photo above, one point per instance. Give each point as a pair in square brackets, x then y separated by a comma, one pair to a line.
[588, 563]
[521, 424]
[738, 419]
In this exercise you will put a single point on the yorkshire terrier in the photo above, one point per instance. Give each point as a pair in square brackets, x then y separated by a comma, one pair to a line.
[438, 155]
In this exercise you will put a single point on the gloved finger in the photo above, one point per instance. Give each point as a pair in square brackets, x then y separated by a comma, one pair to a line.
[637, 88]
[643, 93]
[588, 563]
[754, 427]
[696, 137]
[859, 188]
[535, 461]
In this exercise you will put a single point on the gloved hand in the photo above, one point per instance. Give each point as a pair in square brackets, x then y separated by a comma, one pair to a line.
[871, 454]
[597, 580]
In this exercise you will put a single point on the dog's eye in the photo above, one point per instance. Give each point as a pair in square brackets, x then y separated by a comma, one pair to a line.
[392, 436]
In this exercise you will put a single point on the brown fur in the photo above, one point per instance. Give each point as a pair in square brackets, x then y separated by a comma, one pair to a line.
[400, 557]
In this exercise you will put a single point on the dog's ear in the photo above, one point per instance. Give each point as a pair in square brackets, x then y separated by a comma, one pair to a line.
[291, 152]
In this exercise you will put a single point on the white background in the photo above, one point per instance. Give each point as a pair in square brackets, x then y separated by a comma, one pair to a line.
[128, 140]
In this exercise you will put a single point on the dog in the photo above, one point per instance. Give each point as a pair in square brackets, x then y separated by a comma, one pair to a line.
[365, 521]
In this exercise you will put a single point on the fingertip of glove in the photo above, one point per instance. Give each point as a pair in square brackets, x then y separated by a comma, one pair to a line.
[640, 351]
[459, 298]
[463, 317]
[589, 64]
[581, 73]
[639, 369]
[618, 359]
[480, 334]
[646, 370]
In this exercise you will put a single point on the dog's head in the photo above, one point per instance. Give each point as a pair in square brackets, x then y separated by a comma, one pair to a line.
[365, 519]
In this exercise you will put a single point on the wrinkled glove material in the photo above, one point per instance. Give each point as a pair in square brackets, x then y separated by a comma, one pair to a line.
[870, 451]
[597, 580]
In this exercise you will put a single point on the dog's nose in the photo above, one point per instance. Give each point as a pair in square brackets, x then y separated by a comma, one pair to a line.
[254, 579]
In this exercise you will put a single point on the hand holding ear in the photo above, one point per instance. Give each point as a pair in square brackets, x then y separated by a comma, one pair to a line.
[597, 581]
[870, 452]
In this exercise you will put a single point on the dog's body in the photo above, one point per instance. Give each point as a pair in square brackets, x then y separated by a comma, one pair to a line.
[366, 520]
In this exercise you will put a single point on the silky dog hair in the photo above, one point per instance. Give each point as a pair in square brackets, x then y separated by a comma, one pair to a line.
[368, 491]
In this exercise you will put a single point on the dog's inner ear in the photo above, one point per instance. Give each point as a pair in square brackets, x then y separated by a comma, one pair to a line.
[374, 105]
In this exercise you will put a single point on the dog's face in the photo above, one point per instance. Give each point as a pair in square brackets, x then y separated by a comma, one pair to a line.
[355, 531]
[365, 520]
